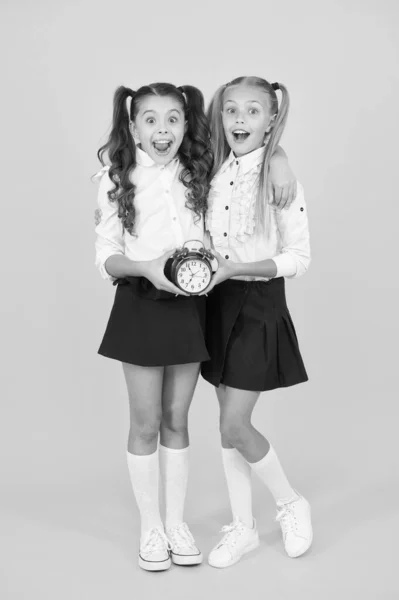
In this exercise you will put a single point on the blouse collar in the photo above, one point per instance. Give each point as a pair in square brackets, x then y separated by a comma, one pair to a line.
[247, 162]
[144, 160]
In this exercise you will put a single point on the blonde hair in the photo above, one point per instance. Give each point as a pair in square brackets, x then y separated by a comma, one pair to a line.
[221, 148]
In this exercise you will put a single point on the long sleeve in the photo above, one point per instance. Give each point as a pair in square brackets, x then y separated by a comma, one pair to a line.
[292, 225]
[110, 238]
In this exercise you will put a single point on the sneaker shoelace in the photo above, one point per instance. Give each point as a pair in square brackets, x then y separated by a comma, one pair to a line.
[232, 533]
[156, 542]
[287, 519]
[181, 537]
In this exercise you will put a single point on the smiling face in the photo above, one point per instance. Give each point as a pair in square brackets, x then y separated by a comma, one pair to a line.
[159, 126]
[246, 117]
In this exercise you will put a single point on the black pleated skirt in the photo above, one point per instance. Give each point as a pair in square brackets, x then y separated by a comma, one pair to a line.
[251, 337]
[148, 327]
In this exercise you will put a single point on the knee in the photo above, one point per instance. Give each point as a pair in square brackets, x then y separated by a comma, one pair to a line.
[145, 432]
[232, 432]
[174, 422]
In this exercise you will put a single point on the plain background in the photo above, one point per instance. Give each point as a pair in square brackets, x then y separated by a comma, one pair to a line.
[69, 525]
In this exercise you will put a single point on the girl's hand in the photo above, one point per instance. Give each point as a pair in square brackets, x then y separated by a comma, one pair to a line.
[282, 186]
[225, 271]
[97, 216]
[154, 271]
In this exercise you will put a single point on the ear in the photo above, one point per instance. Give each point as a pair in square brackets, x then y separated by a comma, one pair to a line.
[134, 132]
[271, 124]
[185, 126]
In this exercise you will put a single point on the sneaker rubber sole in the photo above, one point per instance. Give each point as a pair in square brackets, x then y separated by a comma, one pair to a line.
[252, 546]
[185, 560]
[150, 565]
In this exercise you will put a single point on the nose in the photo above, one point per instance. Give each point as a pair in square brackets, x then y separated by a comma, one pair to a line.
[163, 128]
[239, 118]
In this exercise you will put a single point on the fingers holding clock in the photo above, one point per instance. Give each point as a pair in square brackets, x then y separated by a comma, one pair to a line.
[154, 271]
[224, 271]
[210, 287]
[168, 286]
[220, 259]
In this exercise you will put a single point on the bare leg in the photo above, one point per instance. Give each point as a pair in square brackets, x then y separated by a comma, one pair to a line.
[237, 431]
[144, 386]
[177, 394]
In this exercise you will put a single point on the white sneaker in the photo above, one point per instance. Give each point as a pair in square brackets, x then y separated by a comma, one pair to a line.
[155, 551]
[237, 541]
[183, 548]
[294, 519]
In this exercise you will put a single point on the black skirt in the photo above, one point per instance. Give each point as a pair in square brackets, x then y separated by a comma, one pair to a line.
[152, 328]
[251, 337]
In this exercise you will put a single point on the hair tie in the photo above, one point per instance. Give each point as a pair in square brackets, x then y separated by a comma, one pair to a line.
[183, 93]
[276, 86]
[128, 105]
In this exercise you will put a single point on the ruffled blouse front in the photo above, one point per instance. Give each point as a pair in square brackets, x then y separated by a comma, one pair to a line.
[231, 219]
[242, 208]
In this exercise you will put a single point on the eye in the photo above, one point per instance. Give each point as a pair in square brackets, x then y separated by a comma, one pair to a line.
[253, 111]
[230, 110]
[173, 120]
[150, 120]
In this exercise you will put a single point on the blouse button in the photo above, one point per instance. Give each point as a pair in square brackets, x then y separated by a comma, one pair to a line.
[231, 182]
[301, 208]
[226, 207]
[236, 162]
[166, 191]
[227, 256]
[225, 234]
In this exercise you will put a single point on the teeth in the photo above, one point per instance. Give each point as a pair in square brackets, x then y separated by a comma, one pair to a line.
[239, 131]
[162, 142]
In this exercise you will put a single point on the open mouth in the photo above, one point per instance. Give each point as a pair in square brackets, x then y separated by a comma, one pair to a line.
[240, 135]
[162, 146]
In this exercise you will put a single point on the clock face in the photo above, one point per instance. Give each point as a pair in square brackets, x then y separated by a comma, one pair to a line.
[193, 275]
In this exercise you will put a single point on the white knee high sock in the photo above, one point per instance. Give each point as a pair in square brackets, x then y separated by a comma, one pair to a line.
[174, 465]
[144, 475]
[270, 471]
[238, 477]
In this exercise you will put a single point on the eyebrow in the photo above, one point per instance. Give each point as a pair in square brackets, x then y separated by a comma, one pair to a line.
[247, 102]
[152, 110]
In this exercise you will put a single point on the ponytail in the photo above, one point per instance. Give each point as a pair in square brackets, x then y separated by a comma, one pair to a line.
[273, 139]
[121, 151]
[195, 151]
[195, 108]
[120, 135]
[220, 146]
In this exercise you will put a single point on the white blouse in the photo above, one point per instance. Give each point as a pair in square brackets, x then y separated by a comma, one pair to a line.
[162, 223]
[231, 220]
